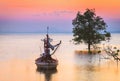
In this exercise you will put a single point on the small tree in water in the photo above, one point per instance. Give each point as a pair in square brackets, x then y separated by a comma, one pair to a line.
[89, 28]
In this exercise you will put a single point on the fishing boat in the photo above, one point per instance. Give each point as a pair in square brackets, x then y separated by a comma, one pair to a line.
[46, 61]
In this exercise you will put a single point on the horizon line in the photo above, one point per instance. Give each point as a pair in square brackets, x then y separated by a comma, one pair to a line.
[45, 32]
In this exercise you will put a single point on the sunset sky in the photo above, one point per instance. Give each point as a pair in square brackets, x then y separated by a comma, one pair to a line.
[36, 15]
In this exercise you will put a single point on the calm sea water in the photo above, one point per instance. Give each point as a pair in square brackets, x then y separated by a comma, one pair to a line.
[18, 54]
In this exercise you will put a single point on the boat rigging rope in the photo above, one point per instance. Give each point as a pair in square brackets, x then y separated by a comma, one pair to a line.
[55, 49]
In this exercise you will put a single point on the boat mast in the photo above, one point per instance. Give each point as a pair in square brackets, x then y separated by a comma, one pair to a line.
[47, 46]
[47, 30]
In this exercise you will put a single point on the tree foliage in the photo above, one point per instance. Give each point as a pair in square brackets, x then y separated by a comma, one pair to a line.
[89, 28]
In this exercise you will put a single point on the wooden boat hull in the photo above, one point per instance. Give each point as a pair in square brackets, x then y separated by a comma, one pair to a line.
[46, 64]
[43, 65]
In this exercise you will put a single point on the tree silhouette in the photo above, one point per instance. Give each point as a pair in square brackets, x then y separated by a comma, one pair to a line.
[89, 28]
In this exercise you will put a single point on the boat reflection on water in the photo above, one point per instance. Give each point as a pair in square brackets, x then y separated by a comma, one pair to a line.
[47, 73]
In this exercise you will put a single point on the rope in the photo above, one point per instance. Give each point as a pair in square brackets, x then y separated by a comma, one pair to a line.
[55, 50]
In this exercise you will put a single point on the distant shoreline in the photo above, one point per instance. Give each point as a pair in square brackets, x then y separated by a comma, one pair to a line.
[28, 33]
